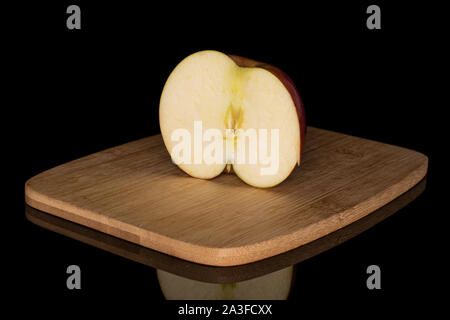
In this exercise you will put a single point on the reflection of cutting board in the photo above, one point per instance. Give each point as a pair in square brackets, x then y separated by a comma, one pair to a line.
[134, 192]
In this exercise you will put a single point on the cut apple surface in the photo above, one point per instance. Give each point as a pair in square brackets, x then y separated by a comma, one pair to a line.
[273, 286]
[218, 111]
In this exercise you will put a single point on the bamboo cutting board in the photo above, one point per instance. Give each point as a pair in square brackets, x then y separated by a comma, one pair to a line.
[135, 193]
[214, 274]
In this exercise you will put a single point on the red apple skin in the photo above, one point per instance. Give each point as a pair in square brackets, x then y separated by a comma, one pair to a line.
[289, 85]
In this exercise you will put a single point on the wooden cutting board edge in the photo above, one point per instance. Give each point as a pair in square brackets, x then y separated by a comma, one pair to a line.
[230, 256]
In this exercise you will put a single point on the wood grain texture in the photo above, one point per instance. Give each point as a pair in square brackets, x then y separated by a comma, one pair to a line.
[214, 274]
[135, 193]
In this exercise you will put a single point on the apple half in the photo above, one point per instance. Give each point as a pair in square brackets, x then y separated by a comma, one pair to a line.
[226, 92]
[273, 286]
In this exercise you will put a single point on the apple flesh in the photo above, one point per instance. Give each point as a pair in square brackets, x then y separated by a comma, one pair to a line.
[230, 92]
[273, 286]
[289, 85]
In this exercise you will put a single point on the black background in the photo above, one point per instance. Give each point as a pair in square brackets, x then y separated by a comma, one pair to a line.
[75, 92]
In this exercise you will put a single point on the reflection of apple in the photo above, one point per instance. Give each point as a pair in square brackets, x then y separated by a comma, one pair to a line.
[272, 286]
[231, 92]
